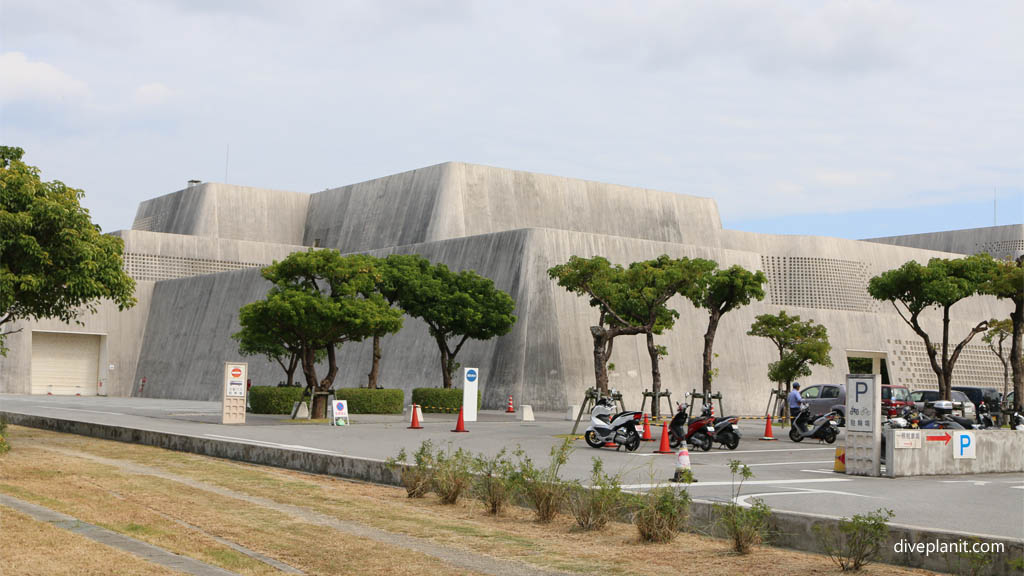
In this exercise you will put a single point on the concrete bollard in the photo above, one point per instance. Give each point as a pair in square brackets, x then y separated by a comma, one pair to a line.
[573, 410]
[526, 413]
[300, 410]
[419, 413]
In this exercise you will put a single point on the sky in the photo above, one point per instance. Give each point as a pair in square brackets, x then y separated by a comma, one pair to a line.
[849, 119]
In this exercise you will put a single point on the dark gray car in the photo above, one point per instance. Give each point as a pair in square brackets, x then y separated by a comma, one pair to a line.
[822, 398]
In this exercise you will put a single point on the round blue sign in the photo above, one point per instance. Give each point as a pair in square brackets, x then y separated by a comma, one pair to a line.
[471, 375]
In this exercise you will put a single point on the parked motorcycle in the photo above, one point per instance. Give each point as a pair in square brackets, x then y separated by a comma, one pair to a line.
[697, 432]
[1017, 421]
[984, 417]
[824, 428]
[727, 431]
[607, 426]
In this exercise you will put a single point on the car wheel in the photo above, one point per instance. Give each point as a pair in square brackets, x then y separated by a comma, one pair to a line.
[591, 437]
[794, 435]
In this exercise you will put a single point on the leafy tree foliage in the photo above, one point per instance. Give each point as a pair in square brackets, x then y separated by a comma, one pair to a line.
[718, 292]
[1007, 282]
[456, 306]
[54, 262]
[319, 301]
[801, 344]
[913, 288]
[998, 332]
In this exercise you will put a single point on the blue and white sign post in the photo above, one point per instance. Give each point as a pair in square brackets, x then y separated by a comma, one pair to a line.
[470, 384]
[963, 445]
[864, 424]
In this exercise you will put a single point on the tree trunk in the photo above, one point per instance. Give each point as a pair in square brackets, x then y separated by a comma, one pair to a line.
[600, 336]
[655, 374]
[1016, 362]
[709, 343]
[293, 363]
[371, 378]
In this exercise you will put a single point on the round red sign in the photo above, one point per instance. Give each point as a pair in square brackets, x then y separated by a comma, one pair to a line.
[236, 372]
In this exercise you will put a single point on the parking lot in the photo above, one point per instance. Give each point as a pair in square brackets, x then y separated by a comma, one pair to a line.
[788, 476]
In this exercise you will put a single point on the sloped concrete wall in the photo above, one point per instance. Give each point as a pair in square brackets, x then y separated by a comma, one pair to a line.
[999, 241]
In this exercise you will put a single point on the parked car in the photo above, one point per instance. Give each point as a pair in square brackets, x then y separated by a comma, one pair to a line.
[962, 405]
[1008, 404]
[977, 394]
[822, 398]
[894, 398]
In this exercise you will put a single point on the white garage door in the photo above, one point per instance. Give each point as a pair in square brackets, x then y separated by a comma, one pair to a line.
[65, 363]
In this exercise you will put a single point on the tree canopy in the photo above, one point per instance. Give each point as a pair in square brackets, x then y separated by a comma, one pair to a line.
[801, 344]
[913, 288]
[54, 262]
[1007, 282]
[720, 291]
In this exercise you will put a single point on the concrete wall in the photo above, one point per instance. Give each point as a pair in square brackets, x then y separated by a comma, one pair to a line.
[204, 247]
[226, 211]
[995, 451]
[999, 241]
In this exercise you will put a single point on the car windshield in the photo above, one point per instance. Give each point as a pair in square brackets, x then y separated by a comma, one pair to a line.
[900, 394]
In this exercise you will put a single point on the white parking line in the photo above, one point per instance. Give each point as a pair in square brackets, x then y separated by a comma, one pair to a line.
[77, 410]
[785, 463]
[821, 471]
[781, 483]
[718, 452]
[742, 500]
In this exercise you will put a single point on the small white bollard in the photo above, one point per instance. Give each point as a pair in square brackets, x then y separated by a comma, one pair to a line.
[419, 413]
[300, 410]
[573, 410]
[526, 413]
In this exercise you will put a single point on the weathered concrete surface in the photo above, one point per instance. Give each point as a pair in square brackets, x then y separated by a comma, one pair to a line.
[995, 451]
[999, 241]
[204, 247]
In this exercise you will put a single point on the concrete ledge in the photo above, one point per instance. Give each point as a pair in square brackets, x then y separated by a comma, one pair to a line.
[789, 530]
[995, 451]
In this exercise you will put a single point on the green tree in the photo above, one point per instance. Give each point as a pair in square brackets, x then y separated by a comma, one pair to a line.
[259, 338]
[998, 332]
[398, 273]
[456, 306]
[801, 344]
[913, 288]
[54, 262]
[719, 292]
[319, 301]
[1007, 282]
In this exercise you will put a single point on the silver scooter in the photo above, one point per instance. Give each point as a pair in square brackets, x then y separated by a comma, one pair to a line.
[824, 428]
[609, 427]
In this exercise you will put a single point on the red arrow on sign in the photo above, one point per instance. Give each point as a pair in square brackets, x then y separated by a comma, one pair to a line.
[947, 438]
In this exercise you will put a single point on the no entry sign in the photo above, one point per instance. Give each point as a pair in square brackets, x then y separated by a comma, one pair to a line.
[236, 372]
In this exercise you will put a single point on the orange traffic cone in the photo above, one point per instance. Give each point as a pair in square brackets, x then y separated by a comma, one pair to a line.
[647, 431]
[415, 418]
[664, 448]
[510, 409]
[460, 426]
[768, 429]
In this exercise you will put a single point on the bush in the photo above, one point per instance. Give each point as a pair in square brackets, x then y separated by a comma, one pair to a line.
[274, 399]
[5, 447]
[371, 401]
[661, 514]
[418, 476]
[745, 526]
[857, 540]
[434, 400]
[543, 487]
[594, 506]
[451, 476]
[494, 482]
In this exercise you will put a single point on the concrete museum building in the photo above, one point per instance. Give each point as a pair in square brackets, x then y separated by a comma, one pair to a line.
[195, 255]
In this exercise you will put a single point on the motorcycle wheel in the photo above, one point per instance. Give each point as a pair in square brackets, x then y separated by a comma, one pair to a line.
[830, 436]
[794, 435]
[632, 443]
[591, 437]
[673, 440]
[731, 441]
[702, 441]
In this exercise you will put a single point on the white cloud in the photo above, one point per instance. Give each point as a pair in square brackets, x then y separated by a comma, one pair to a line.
[152, 94]
[25, 80]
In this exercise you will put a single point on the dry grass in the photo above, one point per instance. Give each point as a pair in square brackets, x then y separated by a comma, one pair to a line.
[51, 479]
[31, 548]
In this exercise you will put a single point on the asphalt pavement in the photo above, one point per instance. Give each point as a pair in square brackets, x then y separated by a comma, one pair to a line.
[789, 476]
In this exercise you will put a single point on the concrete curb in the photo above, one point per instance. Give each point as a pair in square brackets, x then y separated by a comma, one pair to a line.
[789, 529]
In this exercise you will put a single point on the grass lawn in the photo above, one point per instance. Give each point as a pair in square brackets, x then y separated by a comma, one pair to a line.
[191, 504]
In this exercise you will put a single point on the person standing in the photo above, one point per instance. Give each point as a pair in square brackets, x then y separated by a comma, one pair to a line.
[794, 400]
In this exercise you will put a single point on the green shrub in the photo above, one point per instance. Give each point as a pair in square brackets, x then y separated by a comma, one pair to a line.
[661, 514]
[594, 506]
[371, 401]
[494, 482]
[745, 526]
[543, 488]
[451, 476]
[434, 400]
[417, 476]
[5, 446]
[857, 540]
[274, 399]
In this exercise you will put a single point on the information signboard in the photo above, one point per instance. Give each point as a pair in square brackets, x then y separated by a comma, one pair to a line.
[470, 385]
[233, 393]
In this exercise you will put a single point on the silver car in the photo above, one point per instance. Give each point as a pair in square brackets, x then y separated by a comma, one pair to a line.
[962, 405]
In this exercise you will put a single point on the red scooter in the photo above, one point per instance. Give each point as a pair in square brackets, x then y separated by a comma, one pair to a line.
[698, 432]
